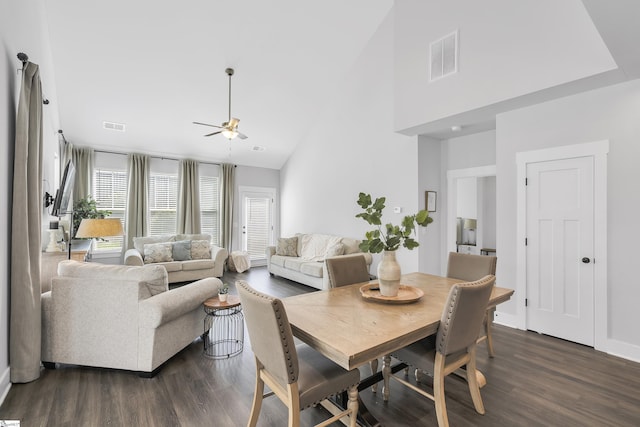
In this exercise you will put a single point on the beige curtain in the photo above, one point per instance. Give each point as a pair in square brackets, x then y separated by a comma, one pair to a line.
[188, 217]
[26, 229]
[83, 161]
[228, 188]
[137, 213]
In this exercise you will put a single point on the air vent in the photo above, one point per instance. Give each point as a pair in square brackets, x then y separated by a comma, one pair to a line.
[443, 55]
[113, 126]
[258, 148]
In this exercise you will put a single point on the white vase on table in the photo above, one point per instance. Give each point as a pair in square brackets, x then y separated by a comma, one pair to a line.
[389, 274]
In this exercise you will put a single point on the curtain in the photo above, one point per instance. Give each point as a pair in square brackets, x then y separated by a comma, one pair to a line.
[228, 187]
[26, 229]
[188, 217]
[83, 161]
[137, 210]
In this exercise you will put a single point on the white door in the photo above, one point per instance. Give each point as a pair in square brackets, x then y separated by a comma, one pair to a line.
[560, 248]
[257, 221]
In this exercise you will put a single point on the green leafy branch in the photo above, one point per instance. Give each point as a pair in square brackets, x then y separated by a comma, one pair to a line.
[389, 237]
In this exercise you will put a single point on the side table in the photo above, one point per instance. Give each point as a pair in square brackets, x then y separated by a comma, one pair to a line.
[223, 328]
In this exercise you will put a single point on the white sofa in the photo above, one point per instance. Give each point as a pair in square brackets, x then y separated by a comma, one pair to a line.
[122, 317]
[304, 261]
[180, 270]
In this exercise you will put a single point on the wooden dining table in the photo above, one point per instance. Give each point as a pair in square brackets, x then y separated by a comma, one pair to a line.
[352, 330]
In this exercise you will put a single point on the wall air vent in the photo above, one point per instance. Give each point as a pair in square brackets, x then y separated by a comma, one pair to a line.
[443, 57]
[113, 126]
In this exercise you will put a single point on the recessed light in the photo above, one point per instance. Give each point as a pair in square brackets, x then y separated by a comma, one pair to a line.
[456, 128]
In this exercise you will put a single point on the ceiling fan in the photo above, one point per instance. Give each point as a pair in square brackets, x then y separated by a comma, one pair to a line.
[228, 129]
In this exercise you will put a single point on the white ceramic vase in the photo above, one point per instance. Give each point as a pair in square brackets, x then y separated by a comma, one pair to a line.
[222, 297]
[389, 274]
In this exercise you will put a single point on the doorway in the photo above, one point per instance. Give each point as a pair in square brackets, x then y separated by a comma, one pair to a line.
[257, 216]
[562, 258]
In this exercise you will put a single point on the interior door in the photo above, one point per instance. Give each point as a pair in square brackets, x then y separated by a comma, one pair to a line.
[257, 222]
[560, 247]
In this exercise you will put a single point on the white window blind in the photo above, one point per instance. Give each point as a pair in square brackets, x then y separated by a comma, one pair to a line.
[209, 207]
[110, 193]
[163, 196]
[258, 222]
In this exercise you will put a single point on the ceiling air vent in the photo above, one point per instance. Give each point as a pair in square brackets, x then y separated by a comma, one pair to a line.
[443, 54]
[258, 148]
[113, 126]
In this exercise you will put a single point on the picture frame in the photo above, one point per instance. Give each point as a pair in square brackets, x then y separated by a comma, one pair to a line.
[430, 200]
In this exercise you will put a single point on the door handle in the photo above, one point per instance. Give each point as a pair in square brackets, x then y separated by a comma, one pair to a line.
[586, 260]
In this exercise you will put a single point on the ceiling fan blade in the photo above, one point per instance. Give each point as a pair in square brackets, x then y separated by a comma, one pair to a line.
[242, 135]
[214, 133]
[207, 124]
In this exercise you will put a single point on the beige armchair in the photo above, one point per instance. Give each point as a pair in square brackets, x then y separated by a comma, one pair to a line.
[121, 317]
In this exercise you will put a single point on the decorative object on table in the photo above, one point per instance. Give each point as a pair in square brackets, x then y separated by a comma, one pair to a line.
[98, 228]
[389, 239]
[406, 294]
[223, 292]
[470, 225]
[86, 208]
[430, 198]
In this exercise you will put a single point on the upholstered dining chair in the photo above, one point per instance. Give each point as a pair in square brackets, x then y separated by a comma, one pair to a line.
[470, 267]
[299, 375]
[453, 347]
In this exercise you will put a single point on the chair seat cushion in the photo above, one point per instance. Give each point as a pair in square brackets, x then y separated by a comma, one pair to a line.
[420, 354]
[320, 377]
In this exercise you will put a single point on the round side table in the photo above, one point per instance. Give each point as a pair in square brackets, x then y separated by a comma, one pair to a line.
[223, 327]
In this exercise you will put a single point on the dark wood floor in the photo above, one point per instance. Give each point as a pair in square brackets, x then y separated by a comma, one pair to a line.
[534, 380]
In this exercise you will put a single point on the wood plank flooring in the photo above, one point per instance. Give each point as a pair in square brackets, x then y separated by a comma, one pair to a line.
[534, 380]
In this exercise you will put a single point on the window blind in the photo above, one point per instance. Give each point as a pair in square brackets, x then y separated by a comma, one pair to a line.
[110, 193]
[258, 221]
[163, 196]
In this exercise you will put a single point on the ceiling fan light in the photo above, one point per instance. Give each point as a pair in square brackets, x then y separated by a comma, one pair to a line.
[229, 133]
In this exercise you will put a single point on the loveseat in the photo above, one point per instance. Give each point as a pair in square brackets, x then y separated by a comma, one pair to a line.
[301, 258]
[122, 317]
[186, 257]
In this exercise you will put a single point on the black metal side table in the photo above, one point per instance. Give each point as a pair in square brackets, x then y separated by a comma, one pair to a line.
[223, 328]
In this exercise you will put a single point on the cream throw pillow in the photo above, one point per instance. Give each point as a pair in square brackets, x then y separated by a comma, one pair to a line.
[200, 249]
[287, 246]
[157, 252]
[334, 250]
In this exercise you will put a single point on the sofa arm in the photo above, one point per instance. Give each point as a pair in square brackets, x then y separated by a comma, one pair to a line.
[219, 256]
[170, 305]
[133, 257]
[270, 251]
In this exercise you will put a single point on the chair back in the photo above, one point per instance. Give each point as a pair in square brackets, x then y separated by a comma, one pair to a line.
[470, 267]
[270, 333]
[347, 270]
[463, 314]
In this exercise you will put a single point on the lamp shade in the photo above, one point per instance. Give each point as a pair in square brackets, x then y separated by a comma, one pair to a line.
[99, 227]
[469, 224]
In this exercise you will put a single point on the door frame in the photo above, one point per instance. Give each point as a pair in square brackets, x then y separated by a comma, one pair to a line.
[598, 150]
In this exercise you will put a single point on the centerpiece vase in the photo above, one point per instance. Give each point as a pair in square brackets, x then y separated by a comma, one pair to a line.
[389, 274]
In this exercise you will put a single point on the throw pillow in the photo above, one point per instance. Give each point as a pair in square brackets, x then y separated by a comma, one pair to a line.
[287, 246]
[157, 252]
[200, 249]
[182, 250]
[334, 250]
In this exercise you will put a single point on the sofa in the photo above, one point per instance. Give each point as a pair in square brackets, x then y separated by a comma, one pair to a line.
[301, 258]
[121, 317]
[186, 257]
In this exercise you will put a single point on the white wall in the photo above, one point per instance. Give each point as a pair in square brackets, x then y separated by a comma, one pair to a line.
[22, 29]
[604, 114]
[488, 226]
[351, 149]
[430, 178]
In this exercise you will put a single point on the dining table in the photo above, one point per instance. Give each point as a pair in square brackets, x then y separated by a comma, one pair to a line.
[348, 326]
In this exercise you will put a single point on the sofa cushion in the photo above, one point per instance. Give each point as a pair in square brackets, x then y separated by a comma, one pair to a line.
[334, 250]
[294, 263]
[200, 249]
[278, 260]
[139, 242]
[181, 250]
[312, 269]
[157, 252]
[197, 264]
[172, 266]
[351, 246]
[287, 246]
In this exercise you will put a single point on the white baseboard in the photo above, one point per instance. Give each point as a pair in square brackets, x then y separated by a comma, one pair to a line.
[5, 384]
[624, 350]
[505, 319]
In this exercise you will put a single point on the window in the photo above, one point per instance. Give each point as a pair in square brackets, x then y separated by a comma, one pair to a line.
[110, 194]
[163, 196]
[209, 207]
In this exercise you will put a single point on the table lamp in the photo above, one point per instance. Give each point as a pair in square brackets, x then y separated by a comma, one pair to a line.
[98, 227]
[470, 224]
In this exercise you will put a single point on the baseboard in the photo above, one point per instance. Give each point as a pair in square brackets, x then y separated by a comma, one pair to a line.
[5, 384]
[624, 350]
[505, 319]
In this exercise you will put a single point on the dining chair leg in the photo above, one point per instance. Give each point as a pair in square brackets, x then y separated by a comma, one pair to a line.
[258, 394]
[438, 391]
[374, 370]
[293, 404]
[352, 405]
[472, 380]
[488, 324]
[386, 373]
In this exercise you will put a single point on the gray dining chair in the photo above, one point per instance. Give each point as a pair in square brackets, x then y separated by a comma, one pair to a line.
[299, 375]
[472, 267]
[453, 347]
